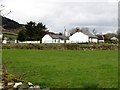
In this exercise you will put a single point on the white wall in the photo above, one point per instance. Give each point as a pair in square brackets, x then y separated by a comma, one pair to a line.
[4, 42]
[93, 40]
[47, 39]
[1, 35]
[61, 41]
[29, 42]
[78, 37]
[101, 41]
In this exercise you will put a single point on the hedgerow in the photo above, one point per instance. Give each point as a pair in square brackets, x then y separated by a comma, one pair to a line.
[98, 46]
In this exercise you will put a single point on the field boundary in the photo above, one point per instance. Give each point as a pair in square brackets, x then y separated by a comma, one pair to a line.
[101, 46]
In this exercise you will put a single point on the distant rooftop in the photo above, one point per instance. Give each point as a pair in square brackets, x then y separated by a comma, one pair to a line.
[57, 36]
[86, 32]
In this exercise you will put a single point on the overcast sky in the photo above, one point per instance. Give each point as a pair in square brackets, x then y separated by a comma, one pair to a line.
[55, 14]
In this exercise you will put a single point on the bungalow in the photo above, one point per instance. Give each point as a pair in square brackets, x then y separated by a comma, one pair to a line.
[83, 36]
[54, 38]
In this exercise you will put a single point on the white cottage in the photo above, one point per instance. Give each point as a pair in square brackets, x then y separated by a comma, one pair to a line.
[54, 38]
[83, 36]
[114, 39]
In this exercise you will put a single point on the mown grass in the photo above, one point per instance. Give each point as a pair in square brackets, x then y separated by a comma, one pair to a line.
[64, 68]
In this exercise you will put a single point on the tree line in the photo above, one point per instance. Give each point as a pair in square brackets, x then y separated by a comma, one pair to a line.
[32, 32]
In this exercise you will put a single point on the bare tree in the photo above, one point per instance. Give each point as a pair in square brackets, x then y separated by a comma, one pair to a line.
[2, 13]
[74, 30]
[1, 8]
[94, 31]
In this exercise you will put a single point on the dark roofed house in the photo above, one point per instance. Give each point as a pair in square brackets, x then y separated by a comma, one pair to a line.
[92, 38]
[100, 38]
[54, 38]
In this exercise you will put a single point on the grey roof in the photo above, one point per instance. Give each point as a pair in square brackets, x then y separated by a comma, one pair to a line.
[100, 37]
[86, 32]
[57, 36]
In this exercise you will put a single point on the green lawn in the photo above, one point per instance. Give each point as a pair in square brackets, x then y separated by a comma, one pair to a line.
[67, 68]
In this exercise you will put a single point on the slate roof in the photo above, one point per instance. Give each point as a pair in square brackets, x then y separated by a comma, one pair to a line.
[86, 32]
[100, 37]
[57, 36]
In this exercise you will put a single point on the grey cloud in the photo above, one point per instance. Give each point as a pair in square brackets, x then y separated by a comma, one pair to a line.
[56, 15]
[1, 1]
[83, 14]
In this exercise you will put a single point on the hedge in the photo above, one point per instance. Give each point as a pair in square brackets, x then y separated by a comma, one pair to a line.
[98, 46]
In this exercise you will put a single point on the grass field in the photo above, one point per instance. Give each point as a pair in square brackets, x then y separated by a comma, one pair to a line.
[68, 68]
[10, 35]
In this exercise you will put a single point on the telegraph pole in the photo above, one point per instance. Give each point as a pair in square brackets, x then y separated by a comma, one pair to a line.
[2, 8]
[64, 34]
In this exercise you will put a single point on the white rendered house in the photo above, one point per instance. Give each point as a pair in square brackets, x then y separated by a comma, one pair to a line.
[83, 37]
[78, 37]
[54, 38]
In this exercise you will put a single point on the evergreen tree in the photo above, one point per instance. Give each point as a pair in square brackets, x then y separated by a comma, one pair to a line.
[22, 35]
[32, 32]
